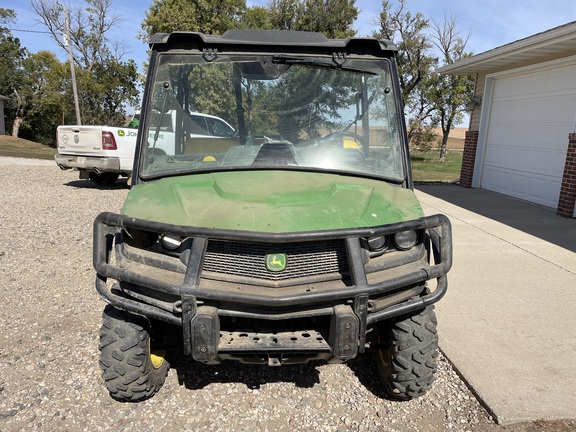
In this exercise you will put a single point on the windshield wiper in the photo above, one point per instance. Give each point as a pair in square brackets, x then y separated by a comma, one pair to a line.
[308, 61]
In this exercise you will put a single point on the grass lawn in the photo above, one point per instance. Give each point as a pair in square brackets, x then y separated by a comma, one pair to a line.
[17, 147]
[426, 167]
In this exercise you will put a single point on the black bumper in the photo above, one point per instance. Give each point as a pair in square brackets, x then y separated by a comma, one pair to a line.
[275, 304]
[107, 224]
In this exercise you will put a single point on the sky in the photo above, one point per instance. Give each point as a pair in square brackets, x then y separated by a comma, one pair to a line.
[490, 23]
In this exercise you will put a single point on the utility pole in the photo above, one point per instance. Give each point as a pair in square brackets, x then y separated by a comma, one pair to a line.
[72, 72]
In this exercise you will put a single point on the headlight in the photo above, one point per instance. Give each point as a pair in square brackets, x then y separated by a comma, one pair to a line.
[139, 238]
[377, 243]
[405, 240]
[171, 242]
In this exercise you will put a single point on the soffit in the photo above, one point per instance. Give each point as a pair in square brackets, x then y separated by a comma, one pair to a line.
[551, 43]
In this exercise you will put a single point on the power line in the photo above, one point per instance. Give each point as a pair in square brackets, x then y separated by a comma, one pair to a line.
[27, 31]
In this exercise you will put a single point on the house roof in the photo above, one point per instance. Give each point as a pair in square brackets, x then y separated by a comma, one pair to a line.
[553, 42]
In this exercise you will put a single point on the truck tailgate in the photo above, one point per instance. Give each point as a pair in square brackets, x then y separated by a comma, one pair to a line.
[80, 140]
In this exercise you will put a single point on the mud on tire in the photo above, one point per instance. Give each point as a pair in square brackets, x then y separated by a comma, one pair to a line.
[130, 371]
[407, 360]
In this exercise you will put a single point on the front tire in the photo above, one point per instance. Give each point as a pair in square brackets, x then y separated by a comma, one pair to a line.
[131, 370]
[407, 358]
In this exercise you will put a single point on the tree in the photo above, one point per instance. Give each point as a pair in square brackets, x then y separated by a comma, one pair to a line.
[41, 97]
[11, 57]
[10, 52]
[430, 99]
[206, 16]
[333, 18]
[256, 17]
[285, 13]
[88, 28]
[451, 94]
[102, 101]
[415, 64]
[105, 83]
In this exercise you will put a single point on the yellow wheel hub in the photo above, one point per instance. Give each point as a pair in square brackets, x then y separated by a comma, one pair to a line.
[156, 356]
[383, 357]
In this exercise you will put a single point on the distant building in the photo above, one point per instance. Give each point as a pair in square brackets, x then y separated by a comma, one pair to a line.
[2, 124]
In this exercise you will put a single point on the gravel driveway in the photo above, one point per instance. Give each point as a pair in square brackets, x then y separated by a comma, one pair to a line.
[49, 374]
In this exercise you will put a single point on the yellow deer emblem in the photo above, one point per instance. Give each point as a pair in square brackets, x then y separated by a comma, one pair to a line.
[275, 262]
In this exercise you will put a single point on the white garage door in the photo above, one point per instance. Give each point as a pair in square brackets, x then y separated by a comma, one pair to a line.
[527, 136]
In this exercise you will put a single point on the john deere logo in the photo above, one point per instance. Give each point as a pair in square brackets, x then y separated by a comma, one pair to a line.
[275, 262]
[121, 132]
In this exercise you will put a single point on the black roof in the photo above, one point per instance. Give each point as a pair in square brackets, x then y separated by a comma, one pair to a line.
[267, 39]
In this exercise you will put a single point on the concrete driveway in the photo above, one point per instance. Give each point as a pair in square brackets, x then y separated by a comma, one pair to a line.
[508, 321]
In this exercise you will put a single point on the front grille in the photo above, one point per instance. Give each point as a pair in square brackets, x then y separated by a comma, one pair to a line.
[302, 259]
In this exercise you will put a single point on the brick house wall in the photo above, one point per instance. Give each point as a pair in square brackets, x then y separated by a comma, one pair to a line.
[468, 158]
[567, 198]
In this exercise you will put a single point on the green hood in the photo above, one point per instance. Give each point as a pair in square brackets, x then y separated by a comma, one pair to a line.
[271, 201]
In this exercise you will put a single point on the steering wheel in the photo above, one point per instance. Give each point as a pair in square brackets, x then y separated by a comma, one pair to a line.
[347, 151]
[358, 140]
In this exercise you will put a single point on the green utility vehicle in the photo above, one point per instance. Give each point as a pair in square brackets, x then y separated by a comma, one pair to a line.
[291, 235]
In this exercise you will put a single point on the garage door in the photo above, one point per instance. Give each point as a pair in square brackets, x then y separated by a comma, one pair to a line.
[527, 135]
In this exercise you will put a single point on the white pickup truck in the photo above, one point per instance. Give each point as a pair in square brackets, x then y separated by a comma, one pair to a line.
[100, 153]
[104, 153]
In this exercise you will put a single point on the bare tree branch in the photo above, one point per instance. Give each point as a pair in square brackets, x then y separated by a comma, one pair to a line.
[88, 27]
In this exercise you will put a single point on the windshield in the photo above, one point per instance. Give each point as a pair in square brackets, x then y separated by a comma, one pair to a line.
[272, 112]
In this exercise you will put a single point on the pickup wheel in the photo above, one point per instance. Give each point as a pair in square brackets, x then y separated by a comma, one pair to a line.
[103, 178]
[132, 371]
[407, 357]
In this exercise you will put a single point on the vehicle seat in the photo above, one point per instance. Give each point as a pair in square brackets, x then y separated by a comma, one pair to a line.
[278, 154]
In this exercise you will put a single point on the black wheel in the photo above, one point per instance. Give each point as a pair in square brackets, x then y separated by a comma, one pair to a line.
[131, 368]
[103, 178]
[407, 355]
